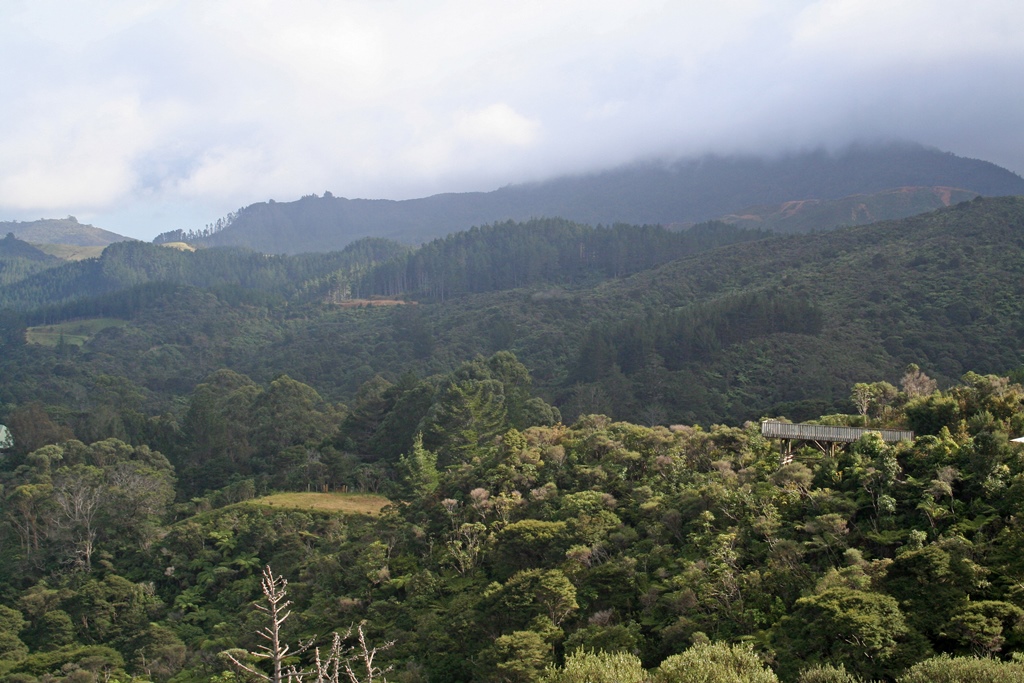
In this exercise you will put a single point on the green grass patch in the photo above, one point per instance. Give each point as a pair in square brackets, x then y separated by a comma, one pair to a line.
[70, 252]
[180, 246]
[76, 332]
[349, 503]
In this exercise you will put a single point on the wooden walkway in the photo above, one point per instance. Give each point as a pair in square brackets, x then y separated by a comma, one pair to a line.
[820, 435]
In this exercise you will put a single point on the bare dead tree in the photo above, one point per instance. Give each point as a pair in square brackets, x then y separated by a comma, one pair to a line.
[362, 656]
[342, 664]
[79, 499]
[350, 663]
[275, 592]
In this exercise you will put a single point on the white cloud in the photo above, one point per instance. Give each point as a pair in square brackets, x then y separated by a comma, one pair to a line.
[124, 103]
[80, 154]
[498, 124]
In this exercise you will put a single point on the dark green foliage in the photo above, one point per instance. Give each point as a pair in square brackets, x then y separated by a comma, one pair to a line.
[930, 414]
[695, 333]
[12, 248]
[234, 428]
[863, 630]
[11, 625]
[986, 627]
[12, 330]
[99, 662]
[236, 275]
[931, 583]
[517, 657]
[552, 251]
[780, 326]
[538, 546]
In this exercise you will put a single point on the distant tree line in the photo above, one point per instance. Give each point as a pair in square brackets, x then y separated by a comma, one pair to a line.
[511, 255]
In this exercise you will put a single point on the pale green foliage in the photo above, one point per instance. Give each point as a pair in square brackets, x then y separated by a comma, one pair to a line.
[827, 674]
[534, 592]
[714, 663]
[598, 667]
[419, 469]
[875, 395]
[946, 669]
[606, 638]
[519, 657]
[11, 623]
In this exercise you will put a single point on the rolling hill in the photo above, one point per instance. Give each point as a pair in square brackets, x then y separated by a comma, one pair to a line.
[61, 231]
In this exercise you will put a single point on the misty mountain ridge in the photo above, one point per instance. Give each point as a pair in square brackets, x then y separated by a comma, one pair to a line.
[678, 193]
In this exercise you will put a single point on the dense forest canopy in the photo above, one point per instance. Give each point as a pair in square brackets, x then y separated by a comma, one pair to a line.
[554, 432]
[519, 548]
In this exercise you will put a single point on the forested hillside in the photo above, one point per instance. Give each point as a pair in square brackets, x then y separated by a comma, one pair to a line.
[547, 428]
[73, 290]
[517, 548]
[680, 192]
[776, 325]
[550, 251]
[19, 259]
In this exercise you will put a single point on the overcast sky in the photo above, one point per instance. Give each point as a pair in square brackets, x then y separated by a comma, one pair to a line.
[141, 116]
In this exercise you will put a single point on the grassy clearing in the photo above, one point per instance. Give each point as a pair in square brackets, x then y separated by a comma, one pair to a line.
[76, 332]
[350, 503]
[70, 252]
[180, 246]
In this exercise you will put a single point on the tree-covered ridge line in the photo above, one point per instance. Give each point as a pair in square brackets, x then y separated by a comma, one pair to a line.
[13, 248]
[517, 541]
[549, 251]
[939, 289]
[20, 260]
[233, 273]
[483, 259]
[675, 343]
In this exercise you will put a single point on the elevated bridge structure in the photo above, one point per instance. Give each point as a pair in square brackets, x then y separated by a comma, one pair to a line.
[825, 437]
